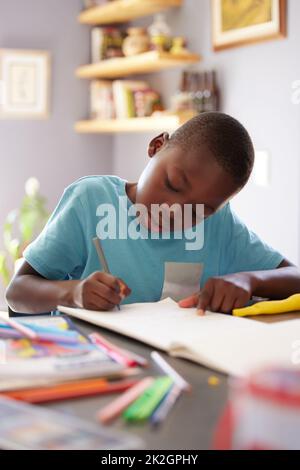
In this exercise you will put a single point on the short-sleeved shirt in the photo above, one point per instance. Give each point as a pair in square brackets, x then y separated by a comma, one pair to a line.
[64, 249]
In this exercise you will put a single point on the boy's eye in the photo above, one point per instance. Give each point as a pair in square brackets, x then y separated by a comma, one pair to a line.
[170, 186]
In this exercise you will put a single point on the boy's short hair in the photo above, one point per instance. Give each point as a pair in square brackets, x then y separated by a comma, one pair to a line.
[226, 138]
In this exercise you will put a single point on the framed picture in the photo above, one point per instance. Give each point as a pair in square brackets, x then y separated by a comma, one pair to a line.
[24, 84]
[240, 22]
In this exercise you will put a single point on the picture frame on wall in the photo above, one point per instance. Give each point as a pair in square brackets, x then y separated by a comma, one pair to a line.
[239, 22]
[24, 84]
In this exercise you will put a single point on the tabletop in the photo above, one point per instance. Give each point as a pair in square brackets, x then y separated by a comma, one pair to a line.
[191, 423]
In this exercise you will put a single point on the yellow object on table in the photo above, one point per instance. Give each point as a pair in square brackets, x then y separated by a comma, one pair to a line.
[213, 381]
[273, 307]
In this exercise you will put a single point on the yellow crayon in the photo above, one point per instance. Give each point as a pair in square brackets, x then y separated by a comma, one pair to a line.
[292, 304]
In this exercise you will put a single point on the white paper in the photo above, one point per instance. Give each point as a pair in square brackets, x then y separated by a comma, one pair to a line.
[229, 344]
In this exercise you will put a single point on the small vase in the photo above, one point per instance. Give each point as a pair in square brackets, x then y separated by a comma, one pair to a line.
[136, 42]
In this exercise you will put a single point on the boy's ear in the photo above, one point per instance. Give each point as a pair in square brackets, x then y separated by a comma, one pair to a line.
[157, 143]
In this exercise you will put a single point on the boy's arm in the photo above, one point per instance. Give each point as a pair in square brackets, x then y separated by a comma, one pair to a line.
[29, 292]
[277, 284]
[232, 291]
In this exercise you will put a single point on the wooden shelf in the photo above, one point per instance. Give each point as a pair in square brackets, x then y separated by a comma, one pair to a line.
[147, 62]
[121, 11]
[149, 124]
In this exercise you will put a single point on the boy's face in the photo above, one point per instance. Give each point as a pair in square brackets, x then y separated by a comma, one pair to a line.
[176, 177]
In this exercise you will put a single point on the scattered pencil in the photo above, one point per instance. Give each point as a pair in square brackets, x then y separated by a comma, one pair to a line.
[101, 257]
[57, 338]
[168, 370]
[166, 406]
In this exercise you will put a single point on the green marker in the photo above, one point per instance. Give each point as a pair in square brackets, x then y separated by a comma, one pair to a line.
[143, 407]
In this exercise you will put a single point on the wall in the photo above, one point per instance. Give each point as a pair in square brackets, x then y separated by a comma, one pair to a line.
[256, 84]
[50, 149]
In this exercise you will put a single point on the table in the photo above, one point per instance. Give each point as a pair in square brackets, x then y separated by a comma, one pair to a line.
[192, 422]
[190, 425]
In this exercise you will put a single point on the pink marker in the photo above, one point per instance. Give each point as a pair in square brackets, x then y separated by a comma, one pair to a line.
[120, 355]
[13, 333]
[23, 330]
[115, 408]
[111, 351]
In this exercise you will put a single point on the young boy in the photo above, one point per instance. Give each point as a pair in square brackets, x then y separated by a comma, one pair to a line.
[206, 161]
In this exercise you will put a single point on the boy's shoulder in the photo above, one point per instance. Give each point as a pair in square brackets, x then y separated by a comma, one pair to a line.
[224, 221]
[221, 216]
[97, 186]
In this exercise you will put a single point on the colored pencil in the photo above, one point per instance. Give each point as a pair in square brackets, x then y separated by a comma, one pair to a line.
[101, 257]
[168, 370]
[57, 338]
[23, 330]
[166, 405]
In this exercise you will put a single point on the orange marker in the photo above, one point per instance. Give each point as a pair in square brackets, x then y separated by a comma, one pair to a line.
[71, 390]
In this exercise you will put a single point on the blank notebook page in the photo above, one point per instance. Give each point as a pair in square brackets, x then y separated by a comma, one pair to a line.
[222, 342]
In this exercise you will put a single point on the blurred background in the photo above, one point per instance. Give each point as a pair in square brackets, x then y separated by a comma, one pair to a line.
[204, 68]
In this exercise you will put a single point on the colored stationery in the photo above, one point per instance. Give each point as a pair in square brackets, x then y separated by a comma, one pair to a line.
[292, 304]
[140, 361]
[60, 338]
[69, 390]
[101, 257]
[143, 407]
[118, 354]
[116, 407]
[51, 329]
[34, 362]
[21, 329]
[40, 329]
[168, 370]
[112, 353]
[166, 405]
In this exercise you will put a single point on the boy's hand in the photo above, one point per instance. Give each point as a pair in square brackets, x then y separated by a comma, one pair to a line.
[222, 294]
[99, 291]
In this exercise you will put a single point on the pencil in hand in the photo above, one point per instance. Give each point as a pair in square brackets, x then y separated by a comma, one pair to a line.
[103, 262]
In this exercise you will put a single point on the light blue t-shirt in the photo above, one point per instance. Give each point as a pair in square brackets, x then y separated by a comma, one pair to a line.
[64, 249]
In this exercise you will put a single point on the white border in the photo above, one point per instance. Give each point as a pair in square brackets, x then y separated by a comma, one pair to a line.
[41, 60]
[247, 33]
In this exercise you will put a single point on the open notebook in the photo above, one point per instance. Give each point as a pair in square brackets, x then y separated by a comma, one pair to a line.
[221, 342]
